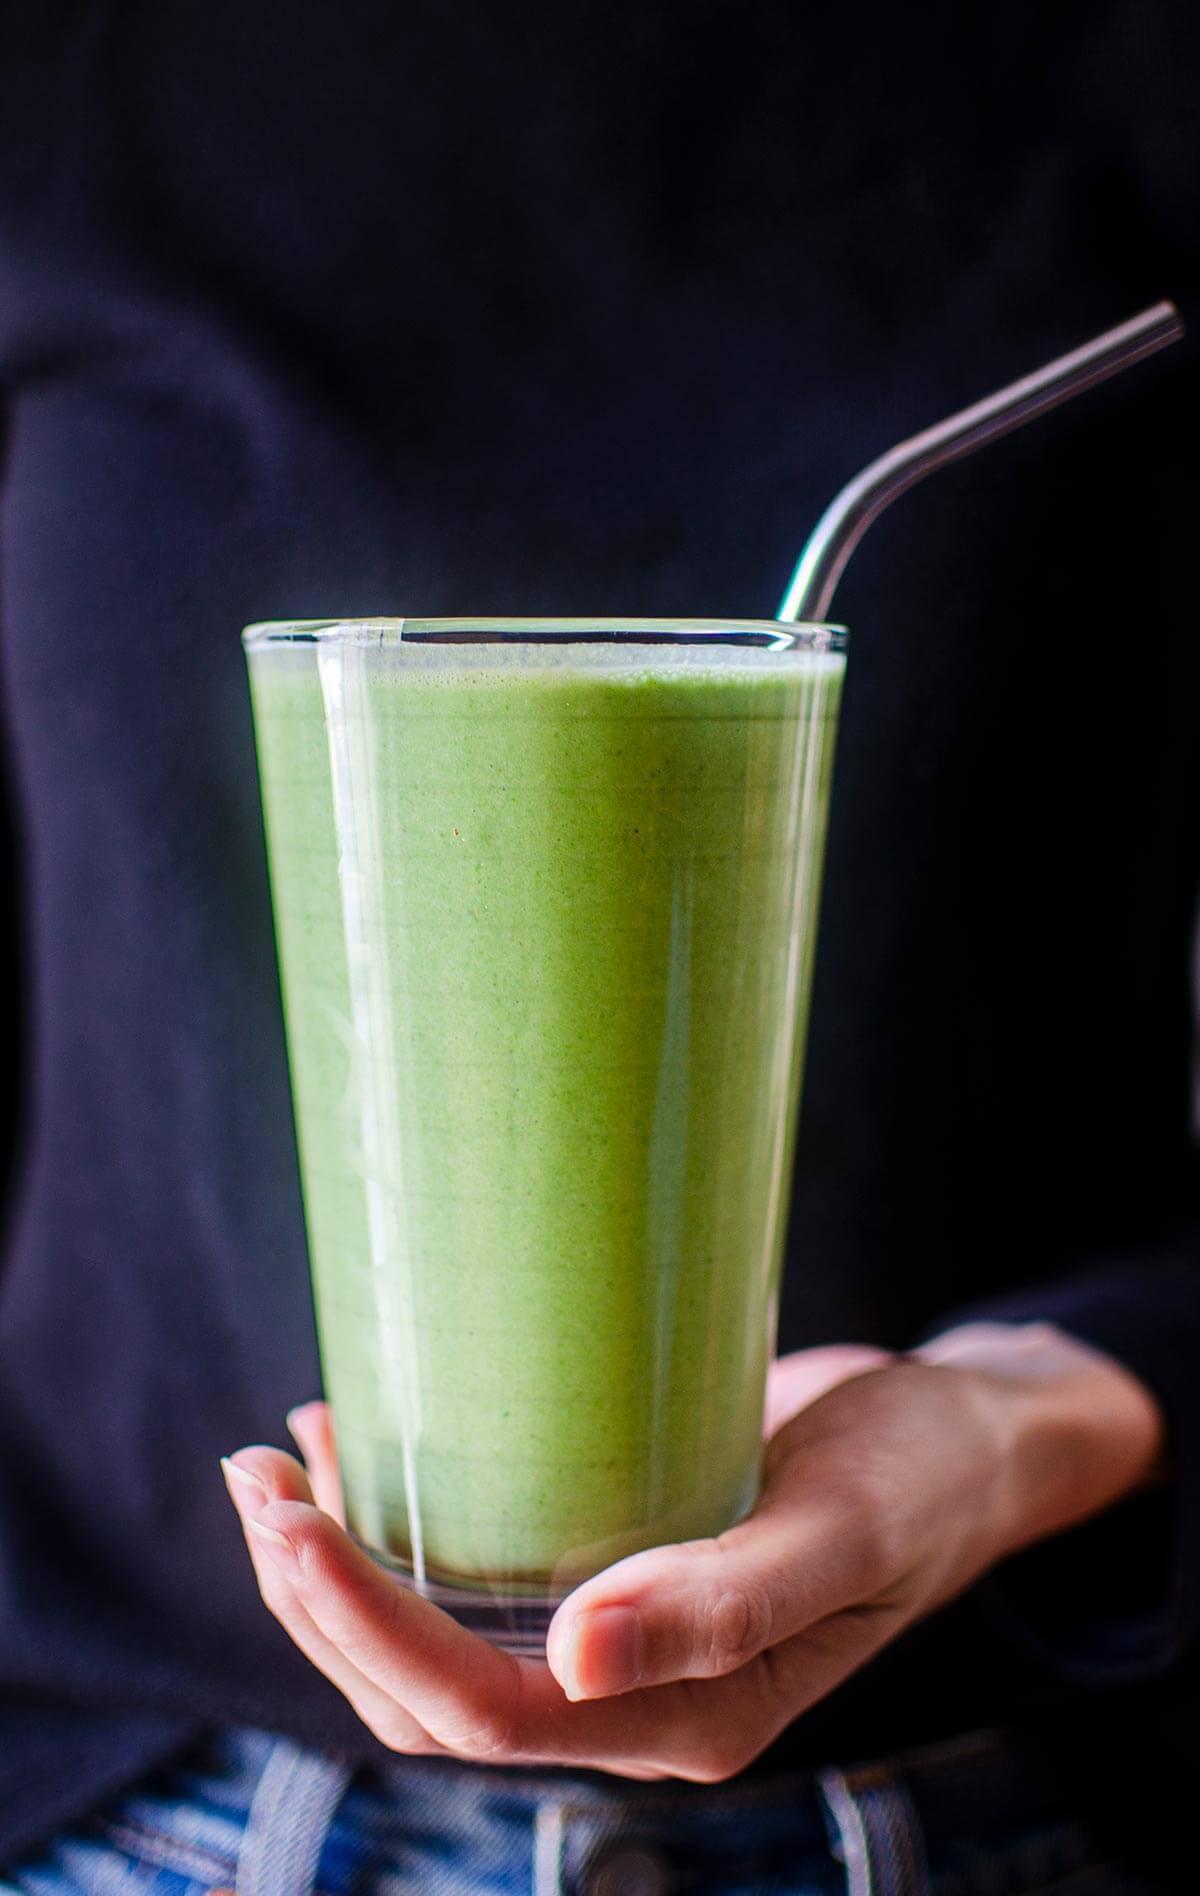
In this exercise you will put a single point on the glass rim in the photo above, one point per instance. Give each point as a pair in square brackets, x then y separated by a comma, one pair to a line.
[776, 635]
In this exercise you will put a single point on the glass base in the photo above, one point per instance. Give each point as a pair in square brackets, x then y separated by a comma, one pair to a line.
[517, 1623]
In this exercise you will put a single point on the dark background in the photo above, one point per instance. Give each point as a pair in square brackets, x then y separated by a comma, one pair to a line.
[592, 309]
[357, 308]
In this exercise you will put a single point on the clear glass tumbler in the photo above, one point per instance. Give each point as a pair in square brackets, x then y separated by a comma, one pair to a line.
[546, 898]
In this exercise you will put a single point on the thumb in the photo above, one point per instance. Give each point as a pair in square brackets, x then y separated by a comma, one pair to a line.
[704, 1608]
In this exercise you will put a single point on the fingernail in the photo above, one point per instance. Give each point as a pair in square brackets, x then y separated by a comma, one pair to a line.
[278, 1549]
[605, 1653]
[248, 1491]
[290, 1419]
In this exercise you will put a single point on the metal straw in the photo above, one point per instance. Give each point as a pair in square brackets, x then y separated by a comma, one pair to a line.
[846, 519]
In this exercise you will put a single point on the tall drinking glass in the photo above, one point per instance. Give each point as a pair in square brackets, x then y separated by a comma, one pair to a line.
[546, 897]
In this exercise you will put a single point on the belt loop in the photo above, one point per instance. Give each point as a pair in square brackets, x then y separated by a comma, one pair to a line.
[548, 1850]
[875, 1833]
[290, 1814]
[848, 1838]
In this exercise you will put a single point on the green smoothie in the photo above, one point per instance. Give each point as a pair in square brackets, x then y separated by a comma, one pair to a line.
[545, 918]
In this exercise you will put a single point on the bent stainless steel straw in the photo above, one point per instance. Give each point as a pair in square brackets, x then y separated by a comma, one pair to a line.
[862, 500]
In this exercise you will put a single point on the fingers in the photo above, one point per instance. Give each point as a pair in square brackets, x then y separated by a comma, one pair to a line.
[256, 1479]
[311, 1426]
[703, 1609]
[425, 1684]
[360, 1627]
[466, 1693]
[363, 1628]
[682, 1662]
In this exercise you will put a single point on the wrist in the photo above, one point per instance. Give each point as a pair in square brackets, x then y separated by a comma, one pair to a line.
[1079, 1431]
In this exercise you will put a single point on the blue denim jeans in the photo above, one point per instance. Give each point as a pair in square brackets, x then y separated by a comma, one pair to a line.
[986, 1816]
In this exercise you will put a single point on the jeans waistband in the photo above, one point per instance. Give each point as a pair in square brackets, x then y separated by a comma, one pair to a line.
[993, 1811]
[900, 1826]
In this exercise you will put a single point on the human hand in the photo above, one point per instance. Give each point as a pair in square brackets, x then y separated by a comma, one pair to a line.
[891, 1484]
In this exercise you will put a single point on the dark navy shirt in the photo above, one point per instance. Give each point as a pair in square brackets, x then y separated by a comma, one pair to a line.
[358, 308]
